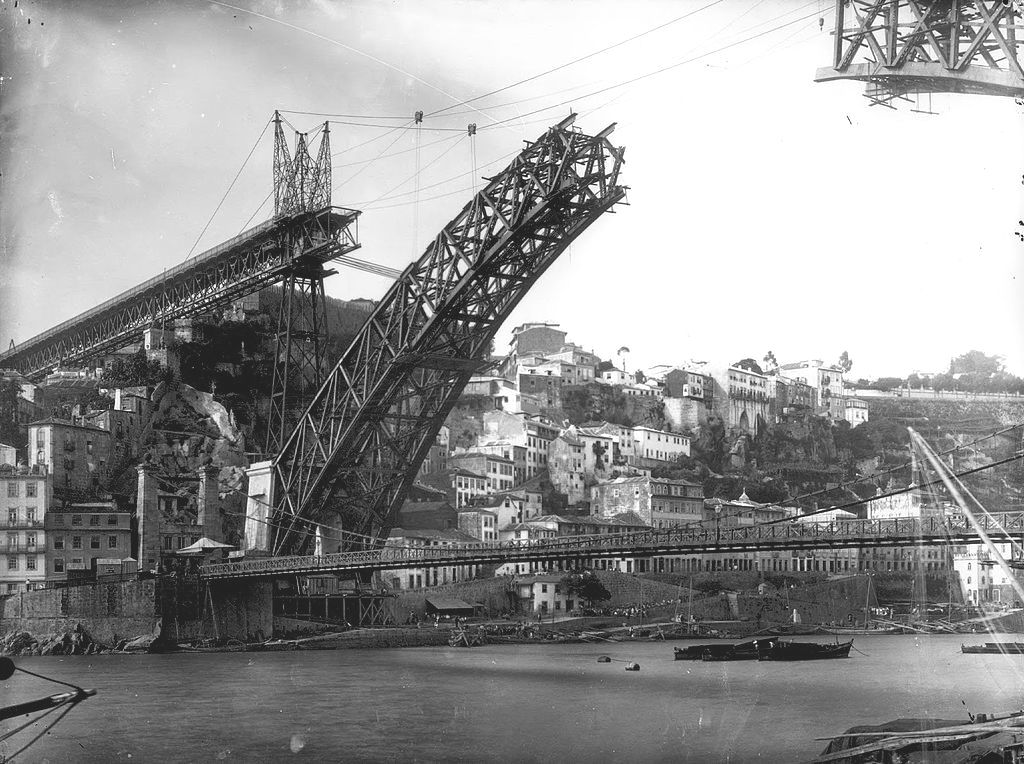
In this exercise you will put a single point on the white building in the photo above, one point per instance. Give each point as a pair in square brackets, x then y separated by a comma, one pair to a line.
[826, 379]
[26, 495]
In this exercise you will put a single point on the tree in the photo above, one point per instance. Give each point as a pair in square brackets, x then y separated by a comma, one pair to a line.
[976, 361]
[845, 363]
[750, 365]
[587, 586]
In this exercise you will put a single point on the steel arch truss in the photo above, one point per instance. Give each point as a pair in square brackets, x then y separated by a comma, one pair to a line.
[950, 46]
[359, 444]
[261, 256]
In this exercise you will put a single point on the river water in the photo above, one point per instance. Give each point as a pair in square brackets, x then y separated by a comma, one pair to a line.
[530, 703]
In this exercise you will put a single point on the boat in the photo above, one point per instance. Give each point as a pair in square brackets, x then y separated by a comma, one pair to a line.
[995, 648]
[984, 738]
[803, 651]
[716, 651]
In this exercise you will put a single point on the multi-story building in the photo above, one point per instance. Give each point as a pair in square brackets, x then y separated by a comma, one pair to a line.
[26, 496]
[541, 382]
[982, 580]
[536, 339]
[437, 457]
[517, 455]
[650, 445]
[535, 433]
[659, 502]
[684, 383]
[499, 472]
[741, 397]
[827, 381]
[459, 485]
[480, 523]
[418, 578]
[788, 394]
[75, 455]
[856, 411]
[80, 534]
[565, 466]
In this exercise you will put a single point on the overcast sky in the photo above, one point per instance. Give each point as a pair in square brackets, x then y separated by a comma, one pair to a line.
[766, 212]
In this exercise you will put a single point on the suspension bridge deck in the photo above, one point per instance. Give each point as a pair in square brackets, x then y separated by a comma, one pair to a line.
[901, 532]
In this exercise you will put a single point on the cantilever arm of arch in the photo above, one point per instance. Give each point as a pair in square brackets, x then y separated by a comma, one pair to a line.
[358, 445]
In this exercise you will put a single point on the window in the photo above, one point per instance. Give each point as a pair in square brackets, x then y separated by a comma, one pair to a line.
[94, 519]
[76, 542]
[58, 519]
[111, 542]
[12, 540]
[12, 562]
[30, 539]
[111, 519]
[31, 489]
[94, 542]
[88, 446]
[76, 519]
[40, 439]
[167, 542]
[58, 564]
[30, 562]
[58, 542]
[12, 517]
[12, 490]
[30, 514]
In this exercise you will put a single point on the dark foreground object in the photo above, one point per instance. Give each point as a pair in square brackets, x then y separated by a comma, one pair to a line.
[803, 651]
[985, 739]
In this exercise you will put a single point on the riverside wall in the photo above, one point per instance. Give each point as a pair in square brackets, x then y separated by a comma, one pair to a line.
[109, 612]
[176, 611]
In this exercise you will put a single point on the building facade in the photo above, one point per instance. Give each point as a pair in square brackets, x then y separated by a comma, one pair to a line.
[25, 494]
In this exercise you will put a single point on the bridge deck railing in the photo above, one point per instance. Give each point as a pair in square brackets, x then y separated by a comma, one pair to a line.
[685, 540]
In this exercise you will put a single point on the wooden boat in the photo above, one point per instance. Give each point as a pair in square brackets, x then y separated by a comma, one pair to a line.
[803, 651]
[994, 648]
[717, 651]
[924, 739]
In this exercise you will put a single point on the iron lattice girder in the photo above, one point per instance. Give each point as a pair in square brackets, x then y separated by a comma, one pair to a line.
[299, 352]
[383, 404]
[257, 258]
[959, 46]
[794, 536]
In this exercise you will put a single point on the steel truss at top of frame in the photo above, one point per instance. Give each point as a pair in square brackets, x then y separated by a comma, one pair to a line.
[916, 46]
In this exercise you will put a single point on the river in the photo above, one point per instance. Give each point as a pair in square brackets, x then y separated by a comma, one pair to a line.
[530, 703]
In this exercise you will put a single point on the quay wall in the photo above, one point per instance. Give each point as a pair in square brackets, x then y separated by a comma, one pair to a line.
[176, 611]
[109, 612]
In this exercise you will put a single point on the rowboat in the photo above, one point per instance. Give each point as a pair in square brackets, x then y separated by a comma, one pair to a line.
[803, 651]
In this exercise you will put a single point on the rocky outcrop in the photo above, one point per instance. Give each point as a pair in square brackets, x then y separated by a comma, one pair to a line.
[77, 641]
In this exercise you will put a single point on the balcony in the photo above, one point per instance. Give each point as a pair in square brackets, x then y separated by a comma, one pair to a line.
[36, 548]
[22, 525]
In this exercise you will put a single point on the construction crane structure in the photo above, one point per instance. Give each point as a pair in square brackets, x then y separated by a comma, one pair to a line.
[905, 47]
[357, 448]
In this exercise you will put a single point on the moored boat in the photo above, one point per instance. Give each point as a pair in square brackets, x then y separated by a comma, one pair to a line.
[717, 651]
[803, 651]
[991, 648]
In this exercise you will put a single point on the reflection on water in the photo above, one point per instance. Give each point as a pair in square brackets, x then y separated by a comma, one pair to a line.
[526, 703]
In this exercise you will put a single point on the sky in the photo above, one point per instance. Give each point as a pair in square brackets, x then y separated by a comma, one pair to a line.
[766, 211]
